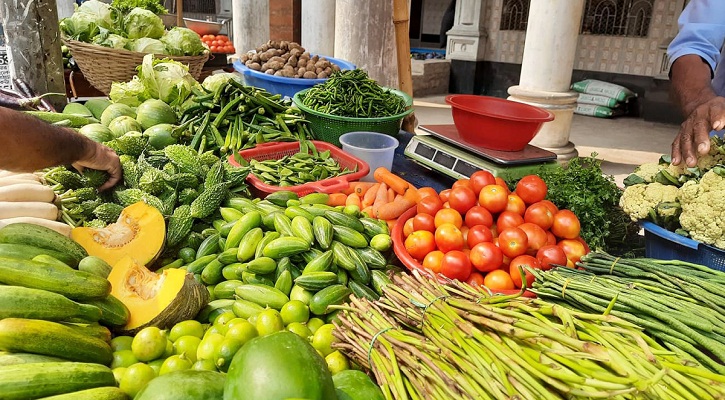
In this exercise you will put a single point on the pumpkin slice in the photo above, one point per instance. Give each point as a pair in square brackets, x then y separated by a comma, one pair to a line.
[139, 232]
[153, 299]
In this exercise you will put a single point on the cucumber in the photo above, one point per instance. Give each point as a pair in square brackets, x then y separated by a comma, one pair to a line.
[268, 237]
[77, 109]
[281, 197]
[318, 210]
[374, 226]
[198, 265]
[331, 295]
[349, 236]
[52, 339]
[212, 273]
[315, 198]
[44, 238]
[96, 266]
[245, 308]
[22, 302]
[228, 256]
[99, 393]
[362, 291]
[343, 256]
[284, 282]
[32, 381]
[315, 281]
[213, 306]
[379, 280]
[297, 211]
[7, 358]
[26, 252]
[257, 279]
[113, 311]
[249, 221]
[342, 277]
[44, 258]
[263, 295]
[248, 245]
[361, 273]
[226, 228]
[309, 255]
[283, 225]
[75, 285]
[285, 247]
[75, 121]
[230, 214]
[266, 207]
[232, 271]
[241, 204]
[302, 228]
[262, 265]
[373, 258]
[323, 262]
[323, 231]
[283, 264]
[225, 290]
[94, 330]
[339, 218]
[210, 245]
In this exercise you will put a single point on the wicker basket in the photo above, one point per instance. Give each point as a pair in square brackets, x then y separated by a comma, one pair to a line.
[102, 66]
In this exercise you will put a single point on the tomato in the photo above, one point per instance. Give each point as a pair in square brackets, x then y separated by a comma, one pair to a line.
[551, 206]
[508, 219]
[531, 189]
[456, 265]
[479, 179]
[535, 235]
[501, 182]
[478, 234]
[551, 255]
[573, 249]
[429, 205]
[462, 199]
[498, 280]
[432, 261]
[448, 237]
[522, 262]
[586, 246]
[408, 228]
[478, 215]
[446, 205]
[493, 198]
[462, 183]
[486, 256]
[213, 48]
[475, 279]
[539, 214]
[223, 38]
[513, 242]
[550, 238]
[424, 222]
[450, 216]
[444, 195]
[464, 231]
[515, 204]
[566, 225]
[420, 243]
[427, 191]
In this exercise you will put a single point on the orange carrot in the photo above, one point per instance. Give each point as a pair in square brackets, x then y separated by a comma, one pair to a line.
[353, 200]
[381, 197]
[391, 195]
[337, 199]
[391, 223]
[349, 189]
[369, 198]
[412, 194]
[368, 210]
[361, 188]
[398, 184]
[398, 196]
[395, 209]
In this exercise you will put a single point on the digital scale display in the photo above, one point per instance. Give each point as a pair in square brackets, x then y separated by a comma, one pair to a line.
[445, 160]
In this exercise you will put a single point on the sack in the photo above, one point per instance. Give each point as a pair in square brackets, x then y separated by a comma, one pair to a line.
[597, 111]
[597, 100]
[593, 86]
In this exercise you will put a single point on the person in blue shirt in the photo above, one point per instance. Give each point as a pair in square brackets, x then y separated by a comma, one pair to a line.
[697, 74]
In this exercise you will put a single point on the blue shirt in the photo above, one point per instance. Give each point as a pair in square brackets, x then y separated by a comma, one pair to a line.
[702, 32]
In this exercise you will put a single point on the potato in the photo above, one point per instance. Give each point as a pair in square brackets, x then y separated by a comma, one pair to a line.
[277, 59]
[310, 66]
[264, 57]
[263, 48]
[301, 71]
[318, 70]
[302, 62]
[273, 44]
[244, 57]
[322, 64]
[255, 58]
[306, 55]
[269, 71]
[278, 73]
[296, 52]
[328, 71]
[322, 75]
[255, 66]
[275, 65]
[284, 45]
[285, 56]
[292, 60]
[315, 58]
[335, 67]
[295, 45]
[309, 75]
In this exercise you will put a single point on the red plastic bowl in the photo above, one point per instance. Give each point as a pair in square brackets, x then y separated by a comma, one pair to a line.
[494, 123]
[412, 264]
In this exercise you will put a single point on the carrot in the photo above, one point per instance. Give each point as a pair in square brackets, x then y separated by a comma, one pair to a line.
[398, 196]
[337, 199]
[398, 184]
[349, 189]
[361, 188]
[353, 200]
[368, 210]
[412, 194]
[395, 209]
[369, 198]
[381, 197]
[391, 223]
[391, 195]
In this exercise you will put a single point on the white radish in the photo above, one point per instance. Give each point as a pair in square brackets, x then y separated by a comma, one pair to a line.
[12, 181]
[59, 227]
[36, 209]
[27, 192]
[22, 176]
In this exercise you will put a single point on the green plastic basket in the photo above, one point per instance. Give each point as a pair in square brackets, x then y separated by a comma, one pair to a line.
[329, 128]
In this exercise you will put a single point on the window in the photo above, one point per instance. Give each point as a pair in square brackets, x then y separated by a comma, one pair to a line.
[514, 15]
[617, 17]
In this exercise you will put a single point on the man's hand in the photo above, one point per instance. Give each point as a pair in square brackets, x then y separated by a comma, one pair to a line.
[693, 139]
[101, 157]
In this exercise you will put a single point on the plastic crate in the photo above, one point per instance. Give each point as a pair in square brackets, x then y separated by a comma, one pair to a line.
[277, 150]
[665, 245]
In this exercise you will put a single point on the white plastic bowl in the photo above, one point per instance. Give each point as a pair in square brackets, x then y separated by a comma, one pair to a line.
[376, 149]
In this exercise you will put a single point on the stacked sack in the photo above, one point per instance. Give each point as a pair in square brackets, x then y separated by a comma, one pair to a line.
[601, 99]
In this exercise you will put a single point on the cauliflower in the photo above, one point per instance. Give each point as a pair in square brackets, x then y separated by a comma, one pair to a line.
[703, 208]
[640, 199]
[648, 171]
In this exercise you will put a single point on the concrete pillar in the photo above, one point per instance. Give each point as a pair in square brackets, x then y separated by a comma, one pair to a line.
[318, 26]
[551, 41]
[251, 23]
[364, 35]
[466, 47]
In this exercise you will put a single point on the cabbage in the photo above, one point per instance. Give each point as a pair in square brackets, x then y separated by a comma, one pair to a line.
[114, 111]
[154, 112]
[102, 13]
[123, 124]
[140, 23]
[213, 82]
[80, 27]
[183, 42]
[147, 45]
[160, 136]
[111, 40]
[166, 80]
[131, 93]
[96, 132]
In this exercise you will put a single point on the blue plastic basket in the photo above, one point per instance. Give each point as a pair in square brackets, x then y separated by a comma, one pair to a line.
[665, 245]
[282, 85]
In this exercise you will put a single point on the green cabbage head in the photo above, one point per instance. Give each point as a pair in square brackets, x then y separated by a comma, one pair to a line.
[183, 42]
[140, 23]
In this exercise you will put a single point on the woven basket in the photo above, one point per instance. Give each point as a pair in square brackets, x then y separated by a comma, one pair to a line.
[102, 66]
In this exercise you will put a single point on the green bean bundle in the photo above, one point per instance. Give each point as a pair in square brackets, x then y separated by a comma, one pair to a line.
[427, 340]
[353, 94]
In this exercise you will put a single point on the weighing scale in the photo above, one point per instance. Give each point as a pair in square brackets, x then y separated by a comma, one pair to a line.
[440, 148]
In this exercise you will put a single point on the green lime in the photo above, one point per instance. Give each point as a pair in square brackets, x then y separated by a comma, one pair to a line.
[156, 365]
[123, 358]
[242, 331]
[169, 349]
[235, 321]
[253, 319]
[298, 293]
[121, 343]
[177, 362]
[224, 317]
[135, 378]
[322, 339]
[218, 329]
[300, 329]
[337, 362]
[149, 344]
[187, 345]
[204, 365]
[269, 321]
[295, 311]
[118, 374]
[186, 328]
[227, 349]
[314, 324]
[351, 210]
[381, 242]
[207, 349]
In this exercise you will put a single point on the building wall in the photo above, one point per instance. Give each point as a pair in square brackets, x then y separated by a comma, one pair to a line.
[433, 11]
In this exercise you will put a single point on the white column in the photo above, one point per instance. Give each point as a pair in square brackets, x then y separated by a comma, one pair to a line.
[318, 26]
[364, 35]
[551, 41]
[467, 40]
[251, 24]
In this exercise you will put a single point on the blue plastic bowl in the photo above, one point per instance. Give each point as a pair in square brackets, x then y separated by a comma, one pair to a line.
[282, 85]
[665, 245]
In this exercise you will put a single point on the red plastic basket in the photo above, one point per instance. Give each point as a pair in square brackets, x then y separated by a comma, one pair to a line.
[277, 150]
[412, 264]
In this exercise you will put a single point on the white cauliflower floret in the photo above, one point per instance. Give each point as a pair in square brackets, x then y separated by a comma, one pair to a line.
[703, 209]
[638, 200]
[648, 171]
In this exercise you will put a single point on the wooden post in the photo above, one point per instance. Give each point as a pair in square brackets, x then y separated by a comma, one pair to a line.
[402, 41]
[33, 41]
[180, 13]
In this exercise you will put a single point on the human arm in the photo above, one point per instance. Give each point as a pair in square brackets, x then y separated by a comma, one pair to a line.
[29, 144]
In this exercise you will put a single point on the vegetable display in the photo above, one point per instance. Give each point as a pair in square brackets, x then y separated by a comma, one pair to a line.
[289, 60]
[219, 44]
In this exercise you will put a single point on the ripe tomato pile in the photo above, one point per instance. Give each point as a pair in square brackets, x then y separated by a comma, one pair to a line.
[481, 233]
[219, 44]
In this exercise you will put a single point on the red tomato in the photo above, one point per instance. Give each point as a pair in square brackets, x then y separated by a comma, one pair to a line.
[551, 206]
[427, 191]
[429, 205]
[566, 225]
[486, 256]
[479, 179]
[223, 38]
[513, 242]
[493, 198]
[456, 265]
[475, 279]
[508, 219]
[462, 199]
[478, 234]
[419, 244]
[539, 214]
[432, 261]
[478, 215]
[448, 237]
[586, 246]
[213, 48]
[498, 280]
[448, 215]
[515, 204]
[408, 228]
[444, 195]
[424, 222]
[462, 183]
[207, 37]
[531, 189]
[551, 255]
[550, 238]
[502, 183]
[573, 249]
[535, 235]
[522, 262]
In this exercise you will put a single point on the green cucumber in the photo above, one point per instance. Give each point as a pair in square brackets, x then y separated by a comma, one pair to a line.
[285, 247]
[284, 282]
[302, 228]
[44, 258]
[262, 265]
[323, 262]
[76, 285]
[96, 266]
[44, 238]
[309, 255]
[198, 265]
[331, 295]
[22, 302]
[230, 214]
[379, 280]
[297, 211]
[212, 273]
[26, 252]
[342, 277]
[226, 228]
[249, 243]
[339, 218]
[257, 279]
[213, 307]
[225, 290]
[373, 258]
[228, 256]
[113, 311]
[99, 393]
[315, 198]
[33, 381]
[283, 225]
[349, 236]
[362, 291]
[281, 197]
[315, 281]
[210, 245]
[323, 231]
[263, 295]
[231, 272]
[283, 264]
[374, 226]
[245, 308]
[343, 256]
[241, 204]
[8, 358]
[243, 225]
[361, 273]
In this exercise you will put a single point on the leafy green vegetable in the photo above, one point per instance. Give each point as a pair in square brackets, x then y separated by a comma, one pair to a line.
[141, 23]
[132, 93]
[213, 82]
[166, 80]
[80, 27]
[125, 6]
[110, 40]
[183, 42]
[147, 45]
[103, 15]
